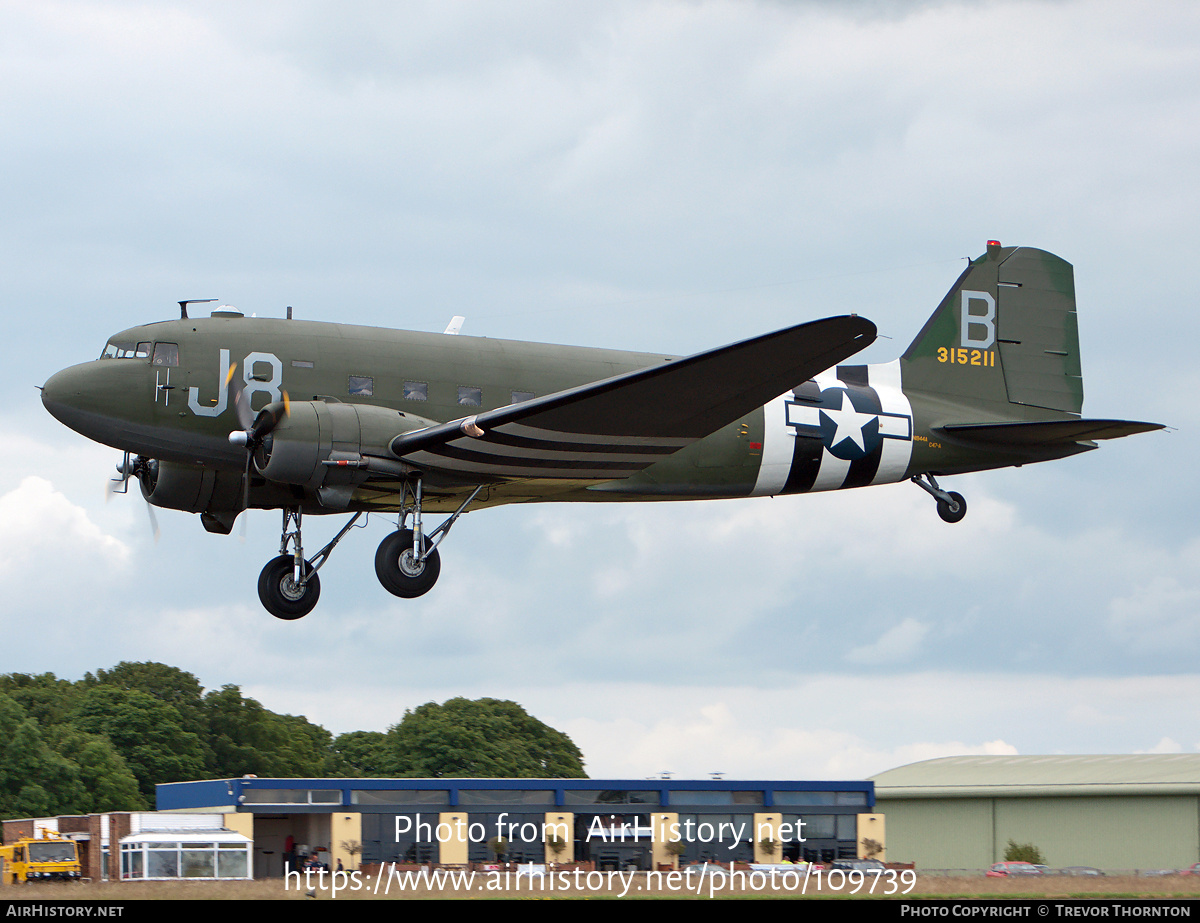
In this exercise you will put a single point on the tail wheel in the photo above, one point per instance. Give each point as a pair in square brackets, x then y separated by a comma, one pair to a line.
[954, 509]
[281, 595]
[398, 569]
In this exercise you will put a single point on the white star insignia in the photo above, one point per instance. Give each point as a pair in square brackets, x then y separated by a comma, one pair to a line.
[849, 422]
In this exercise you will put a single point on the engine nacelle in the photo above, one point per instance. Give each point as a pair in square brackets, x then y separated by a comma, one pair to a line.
[189, 488]
[321, 445]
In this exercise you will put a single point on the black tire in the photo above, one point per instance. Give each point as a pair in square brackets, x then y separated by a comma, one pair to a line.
[279, 593]
[397, 574]
[955, 512]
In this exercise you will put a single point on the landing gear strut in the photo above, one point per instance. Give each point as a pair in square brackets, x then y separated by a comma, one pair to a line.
[407, 562]
[950, 505]
[288, 586]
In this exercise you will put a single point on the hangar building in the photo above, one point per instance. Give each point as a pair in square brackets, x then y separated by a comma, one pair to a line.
[1137, 811]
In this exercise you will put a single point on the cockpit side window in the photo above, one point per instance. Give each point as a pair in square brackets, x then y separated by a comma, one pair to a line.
[126, 351]
[166, 354]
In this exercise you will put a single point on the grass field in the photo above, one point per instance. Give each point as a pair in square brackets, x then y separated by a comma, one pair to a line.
[639, 886]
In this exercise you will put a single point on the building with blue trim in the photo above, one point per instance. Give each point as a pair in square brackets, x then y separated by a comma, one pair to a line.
[614, 823]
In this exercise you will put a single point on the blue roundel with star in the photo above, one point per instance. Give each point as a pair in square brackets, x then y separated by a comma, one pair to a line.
[849, 423]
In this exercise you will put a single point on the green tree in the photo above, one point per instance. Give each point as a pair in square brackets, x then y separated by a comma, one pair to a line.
[241, 736]
[170, 685]
[34, 780]
[146, 731]
[479, 738]
[1023, 852]
[306, 750]
[104, 776]
[45, 698]
[246, 737]
[362, 754]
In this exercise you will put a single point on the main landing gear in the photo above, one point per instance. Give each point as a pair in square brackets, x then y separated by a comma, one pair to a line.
[288, 586]
[407, 562]
[950, 505]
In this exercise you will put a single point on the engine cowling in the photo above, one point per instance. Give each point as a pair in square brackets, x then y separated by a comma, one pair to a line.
[190, 488]
[322, 445]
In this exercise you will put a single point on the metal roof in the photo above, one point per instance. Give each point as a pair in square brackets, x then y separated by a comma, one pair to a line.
[230, 795]
[206, 835]
[1024, 776]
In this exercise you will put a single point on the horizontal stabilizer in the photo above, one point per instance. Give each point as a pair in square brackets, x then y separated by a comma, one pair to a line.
[1045, 432]
[616, 427]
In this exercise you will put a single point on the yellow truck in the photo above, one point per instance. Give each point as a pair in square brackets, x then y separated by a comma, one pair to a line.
[47, 857]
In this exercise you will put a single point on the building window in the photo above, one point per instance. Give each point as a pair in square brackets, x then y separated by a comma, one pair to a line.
[292, 796]
[151, 856]
[608, 796]
[716, 798]
[400, 796]
[782, 798]
[504, 796]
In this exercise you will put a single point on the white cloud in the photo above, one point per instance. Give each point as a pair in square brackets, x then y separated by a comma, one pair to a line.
[40, 526]
[1162, 613]
[660, 176]
[1166, 745]
[895, 645]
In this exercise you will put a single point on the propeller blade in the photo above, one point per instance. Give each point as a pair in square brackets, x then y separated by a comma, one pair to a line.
[241, 403]
[133, 468]
[268, 418]
[153, 521]
[246, 482]
[119, 484]
[254, 430]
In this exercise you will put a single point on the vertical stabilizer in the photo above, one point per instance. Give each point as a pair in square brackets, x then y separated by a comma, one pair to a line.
[1006, 332]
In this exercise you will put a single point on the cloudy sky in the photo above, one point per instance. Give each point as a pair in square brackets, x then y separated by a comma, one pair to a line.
[660, 176]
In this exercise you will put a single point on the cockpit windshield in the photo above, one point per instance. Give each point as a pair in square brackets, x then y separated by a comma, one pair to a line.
[113, 350]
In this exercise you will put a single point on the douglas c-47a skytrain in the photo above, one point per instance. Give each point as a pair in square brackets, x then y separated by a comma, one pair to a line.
[227, 413]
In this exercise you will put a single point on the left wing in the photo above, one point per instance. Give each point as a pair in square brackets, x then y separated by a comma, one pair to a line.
[616, 427]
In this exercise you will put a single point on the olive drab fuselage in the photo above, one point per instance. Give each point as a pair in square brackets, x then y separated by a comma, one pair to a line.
[181, 413]
[227, 412]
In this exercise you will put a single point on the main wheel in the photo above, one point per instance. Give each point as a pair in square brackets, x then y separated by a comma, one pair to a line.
[953, 511]
[398, 570]
[281, 595]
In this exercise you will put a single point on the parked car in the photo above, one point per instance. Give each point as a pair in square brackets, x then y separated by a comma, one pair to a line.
[1193, 869]
[1081, 871]
[1013, 870]
[866, 866]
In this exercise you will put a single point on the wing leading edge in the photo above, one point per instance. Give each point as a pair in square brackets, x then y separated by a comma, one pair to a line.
[616, 427]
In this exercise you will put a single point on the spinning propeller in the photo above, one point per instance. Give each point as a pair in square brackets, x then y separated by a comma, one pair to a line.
[145, 470]
[255, 429]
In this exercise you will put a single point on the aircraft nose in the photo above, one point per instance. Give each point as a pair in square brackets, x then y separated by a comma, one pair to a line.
[61, 392]
[81, 397]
